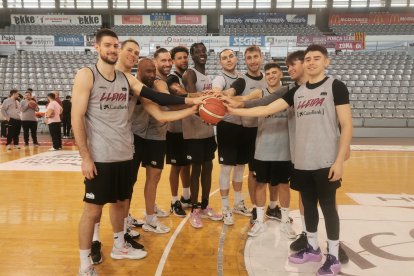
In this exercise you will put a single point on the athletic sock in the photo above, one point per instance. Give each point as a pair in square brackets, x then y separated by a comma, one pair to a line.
[260, 213]
[285, 214]
[96, 232]
[186, 193]
[313, 239]
[174, 199]
[84, 259]
[333, 247]
[237, 197]
[272, 204]
[204, 203]
[149, 218]
[125, 224]
[119, 239]
[303, 223]
[225, 201]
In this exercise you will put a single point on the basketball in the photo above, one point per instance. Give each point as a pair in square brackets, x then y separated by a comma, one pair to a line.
[212, 111]
[32, 104]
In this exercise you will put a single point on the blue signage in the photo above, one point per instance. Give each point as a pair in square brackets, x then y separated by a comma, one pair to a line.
[69, 40]
[246, 41]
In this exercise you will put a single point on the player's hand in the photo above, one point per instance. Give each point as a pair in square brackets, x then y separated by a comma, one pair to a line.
[230, 110]
[88, 168]
[335, 173]
[231, 102]
[194, 108]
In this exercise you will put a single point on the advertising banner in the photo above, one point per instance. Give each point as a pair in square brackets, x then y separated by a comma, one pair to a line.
[131, 19]
[7, 40]
[281, 40]
[188, 19]
[69, 40]
[35, 40]
[160, 19]
[371, 18]
[349, 46]
[46, 19]
[247, 40]
[267, 18]
[327, 41]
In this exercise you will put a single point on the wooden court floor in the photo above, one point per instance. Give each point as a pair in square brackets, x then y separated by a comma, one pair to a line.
[40, 211]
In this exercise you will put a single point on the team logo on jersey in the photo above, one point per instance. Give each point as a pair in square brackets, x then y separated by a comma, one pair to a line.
[154, 163]
[124, 89]
[324, 93]
[90, 195]
[189, 157]
[173, 161]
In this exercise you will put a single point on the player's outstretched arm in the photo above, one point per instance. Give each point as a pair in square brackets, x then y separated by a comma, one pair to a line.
[81, 91]
[345, 120]
[265, 100]
[168, 116]
[260, 111]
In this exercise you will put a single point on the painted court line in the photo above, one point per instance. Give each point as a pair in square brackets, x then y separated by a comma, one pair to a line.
[170, 243]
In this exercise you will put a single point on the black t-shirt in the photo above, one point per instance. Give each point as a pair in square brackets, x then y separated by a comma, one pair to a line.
[339, 90]
[171, 79]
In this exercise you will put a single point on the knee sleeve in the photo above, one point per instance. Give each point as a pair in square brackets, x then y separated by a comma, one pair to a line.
[224, 178]
[238, 173]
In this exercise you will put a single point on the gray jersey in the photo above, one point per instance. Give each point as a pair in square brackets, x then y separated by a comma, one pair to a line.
[156, 130]
[252, 84]
[106, 119]
[193, 126]
[317, 132]
[272, 140]
[139, 120]
[292, 126]
[176, 126]
[28, 114]
[224, 81]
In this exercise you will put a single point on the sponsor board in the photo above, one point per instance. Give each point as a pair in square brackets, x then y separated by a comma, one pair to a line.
[268, 18]
[46, 19]
[188, 19]
[160, 19]
[371, 18]
[327, 41]
[7, 40]
[69, 40]
[281, 40]
[247, 40]
[35, 40]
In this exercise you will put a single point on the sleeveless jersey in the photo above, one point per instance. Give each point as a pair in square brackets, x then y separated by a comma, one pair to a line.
[272, 140]
[252, 84]
[193, 126]
[291, 125]
[317, 132]
[155, 129]
[107, 120]
[139, 120]
[176, 126]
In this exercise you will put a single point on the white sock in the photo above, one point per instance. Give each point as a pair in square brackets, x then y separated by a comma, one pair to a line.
[303, 223]
[225, 201]
[125, 224]
[237, 197]
[333, 248]
[272, 204]
[119, 240]
[174, 199]
[285, 214]
[186, 193]
[149, 218]
[84, 259]
[313, 239]
[260, 214]
[96, 232]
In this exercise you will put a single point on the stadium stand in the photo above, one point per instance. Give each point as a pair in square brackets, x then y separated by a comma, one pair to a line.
[406, 29]
[49, 29]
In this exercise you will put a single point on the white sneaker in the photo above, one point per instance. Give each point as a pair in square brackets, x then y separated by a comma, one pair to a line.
[134, 234]
[89, 272]
[127, 252]
[257, 229]
[228, 216]
[160, 213]
[16, 147]
[156, 226]
[286, 228]
[241, 209]
[133, 222]
[8, 147]
[52, 149]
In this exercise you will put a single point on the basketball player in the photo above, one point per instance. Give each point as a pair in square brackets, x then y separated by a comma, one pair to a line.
[199, 139]
[319, 151]
[100, 121]
[229, 131]
[175, 142]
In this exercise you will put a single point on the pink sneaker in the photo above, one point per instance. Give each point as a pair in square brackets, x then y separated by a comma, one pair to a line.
[195, 220]
[209, 213]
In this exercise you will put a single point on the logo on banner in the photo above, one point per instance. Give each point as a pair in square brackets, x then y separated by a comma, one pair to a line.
[188, 19]
[69, 40]
[8, 40]
[131, 19]
[23, 19]
[89, 20]
[160, 20]
[247, 40]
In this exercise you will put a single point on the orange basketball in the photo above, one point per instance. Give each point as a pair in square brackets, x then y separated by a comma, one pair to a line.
[32, 104]
[212, 111]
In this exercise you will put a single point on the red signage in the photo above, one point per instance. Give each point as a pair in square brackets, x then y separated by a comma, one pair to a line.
[188, 19]
[132, 19]
[349, 46]
[371, 19]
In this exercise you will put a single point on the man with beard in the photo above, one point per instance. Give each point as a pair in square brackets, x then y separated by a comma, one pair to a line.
[200, 140]
[102, 129]
[175, 142]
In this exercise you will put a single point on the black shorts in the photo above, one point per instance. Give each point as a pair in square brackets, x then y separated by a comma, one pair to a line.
[230, 143]
[139, 146]
[200, 150]
[302, 180]
[249, 146]
[176, 150]
[273, 172]
[113, 183]
[154, 153]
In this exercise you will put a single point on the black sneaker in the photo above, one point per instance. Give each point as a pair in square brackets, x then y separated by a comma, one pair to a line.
[96, 252]
[275, 213]
[132, 242]
[177, 209]
[185, 203]
[254, 216]
[342, 256]
[300, 243]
